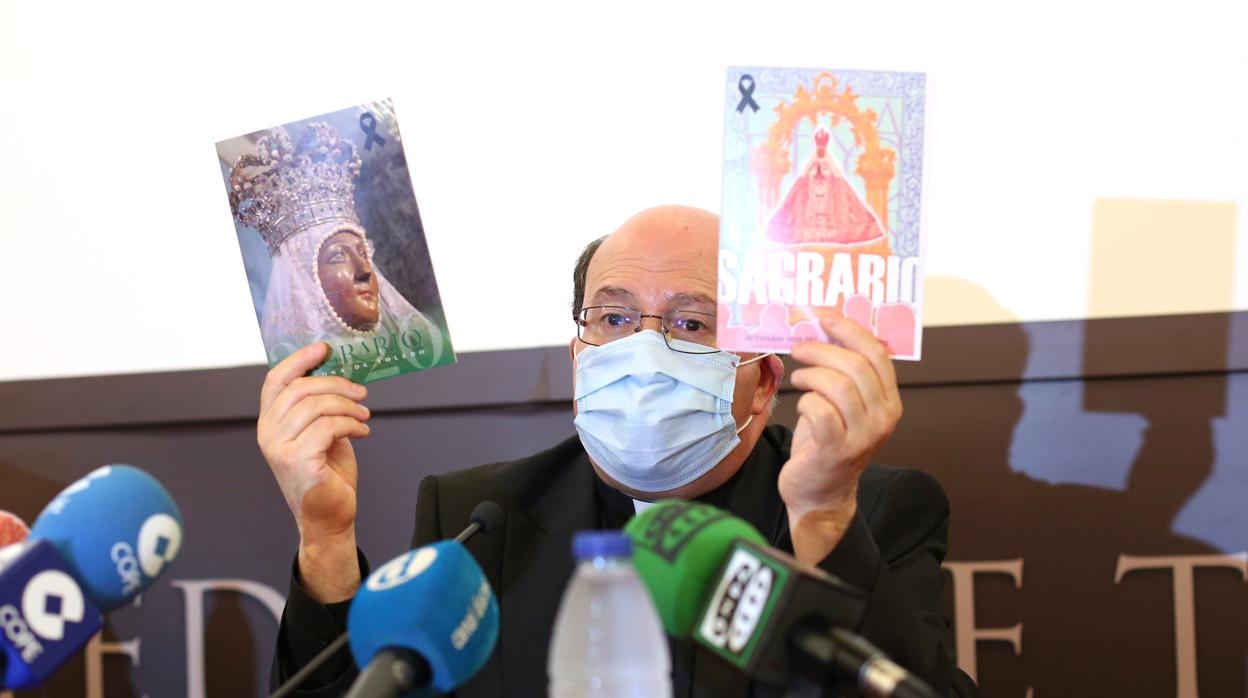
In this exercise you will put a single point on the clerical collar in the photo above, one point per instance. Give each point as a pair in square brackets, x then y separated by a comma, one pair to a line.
[756, 476]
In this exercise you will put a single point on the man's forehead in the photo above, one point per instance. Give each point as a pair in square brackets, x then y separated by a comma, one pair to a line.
[665, 226]
[624, 296]
[674, 241]
[665, 253]
[643, 281]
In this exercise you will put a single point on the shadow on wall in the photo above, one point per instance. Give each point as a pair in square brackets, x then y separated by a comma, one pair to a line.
[1049, 556]
[1151, 257]
[1155, 257]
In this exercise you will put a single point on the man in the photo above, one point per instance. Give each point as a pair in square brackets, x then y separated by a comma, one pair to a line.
[638, 297]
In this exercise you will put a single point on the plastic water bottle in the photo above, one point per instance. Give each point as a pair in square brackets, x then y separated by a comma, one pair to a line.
[608, 640]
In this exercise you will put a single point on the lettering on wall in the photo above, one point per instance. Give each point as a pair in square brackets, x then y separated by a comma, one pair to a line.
[194, 592]
[1182, 568]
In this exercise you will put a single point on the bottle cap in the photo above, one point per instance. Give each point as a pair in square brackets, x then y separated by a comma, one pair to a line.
[590, 544]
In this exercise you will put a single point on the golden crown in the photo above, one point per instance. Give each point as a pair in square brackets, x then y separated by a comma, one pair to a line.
[286, 186]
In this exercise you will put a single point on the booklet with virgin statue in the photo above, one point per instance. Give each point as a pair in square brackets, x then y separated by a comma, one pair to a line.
[333, 246]
[823, 173]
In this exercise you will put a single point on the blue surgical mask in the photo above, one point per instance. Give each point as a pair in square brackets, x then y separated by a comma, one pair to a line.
[655, 419]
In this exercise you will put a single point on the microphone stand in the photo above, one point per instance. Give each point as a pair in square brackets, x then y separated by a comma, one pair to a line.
[486, 516]
[300, 676]
[393, 671]
[841, 659]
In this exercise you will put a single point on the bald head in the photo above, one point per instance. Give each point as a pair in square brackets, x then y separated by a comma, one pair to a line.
[674, 243]
[666, 225]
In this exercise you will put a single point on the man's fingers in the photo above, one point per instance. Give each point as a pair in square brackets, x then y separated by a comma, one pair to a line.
[837, 388]
[12, 529]
[294, 366]
[339, 428]
[310, 409]
[825, 422]
[309, 386]
[320, 435]
[854, 337]
[850, 363]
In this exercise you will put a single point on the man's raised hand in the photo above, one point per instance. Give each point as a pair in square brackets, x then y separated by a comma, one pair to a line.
[849, 408]
[304, 432]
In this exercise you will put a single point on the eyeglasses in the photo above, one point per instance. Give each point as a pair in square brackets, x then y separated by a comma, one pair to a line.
[602, 324]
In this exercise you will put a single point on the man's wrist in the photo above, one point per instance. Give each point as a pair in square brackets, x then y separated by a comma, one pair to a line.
[329, 568]
[817, 530]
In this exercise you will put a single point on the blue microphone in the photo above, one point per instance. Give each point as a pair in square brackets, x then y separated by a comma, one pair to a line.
[96, 546]
[426, 618]
[118, 529]
[45, 616]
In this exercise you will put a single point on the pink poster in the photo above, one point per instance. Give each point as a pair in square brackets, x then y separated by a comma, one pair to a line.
[823, 175]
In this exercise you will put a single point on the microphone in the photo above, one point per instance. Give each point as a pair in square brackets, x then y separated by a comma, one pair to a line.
[44, 615]
[118, 528]
[678, 548]
[95, 547]
[485, 517]
[426, 618]
[848, 654]
[12, 530]
[777, 620]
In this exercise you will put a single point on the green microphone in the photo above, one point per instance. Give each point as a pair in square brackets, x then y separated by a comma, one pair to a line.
[678, 549]
[714, 580]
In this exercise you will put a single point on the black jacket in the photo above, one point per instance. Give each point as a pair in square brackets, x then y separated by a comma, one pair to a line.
[893, 550]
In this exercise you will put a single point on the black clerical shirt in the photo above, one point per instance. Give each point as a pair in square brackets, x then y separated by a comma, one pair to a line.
[892, 550]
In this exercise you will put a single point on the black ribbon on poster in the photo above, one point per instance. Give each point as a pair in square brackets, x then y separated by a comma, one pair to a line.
[746, 85]
[368, 124]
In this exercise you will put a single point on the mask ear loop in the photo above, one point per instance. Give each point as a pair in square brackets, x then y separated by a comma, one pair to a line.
[743, 363]
[756, 358]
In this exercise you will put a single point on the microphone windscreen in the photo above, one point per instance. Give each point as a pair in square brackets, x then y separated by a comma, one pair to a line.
[487, 515]
[678, 547]
[117, 528]
[435, 601]
[45, 617]
[12, 529]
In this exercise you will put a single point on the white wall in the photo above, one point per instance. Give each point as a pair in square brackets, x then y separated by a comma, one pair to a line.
[531, 131]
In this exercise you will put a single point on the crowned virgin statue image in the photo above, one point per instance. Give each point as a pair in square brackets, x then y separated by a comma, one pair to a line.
[324, 284]
[822, 207]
